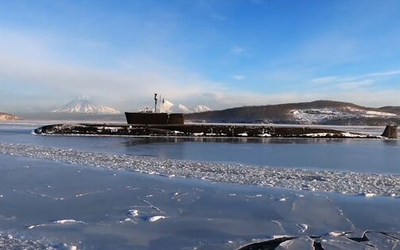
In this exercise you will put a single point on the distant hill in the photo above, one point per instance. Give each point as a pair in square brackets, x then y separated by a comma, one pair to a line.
[317, 112]
[391, 109]
[8, 117]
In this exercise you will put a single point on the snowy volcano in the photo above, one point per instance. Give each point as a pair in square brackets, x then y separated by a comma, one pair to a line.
[168, 107]
[201, 108]
[83, 105]
[183, 109]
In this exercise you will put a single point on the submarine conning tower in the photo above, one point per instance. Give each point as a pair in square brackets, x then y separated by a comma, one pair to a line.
[157, 117]
[390, 132]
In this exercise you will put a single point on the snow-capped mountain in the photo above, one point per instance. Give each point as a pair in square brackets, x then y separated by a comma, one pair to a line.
[84, 105]
[183, 109]
[168, 107]
[201, 108]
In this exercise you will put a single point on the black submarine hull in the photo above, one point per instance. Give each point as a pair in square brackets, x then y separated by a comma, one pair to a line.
[154, 118]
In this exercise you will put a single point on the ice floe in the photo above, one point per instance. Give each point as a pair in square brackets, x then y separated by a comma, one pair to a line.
[367, 184]
[57, 222]
[133, 213]
[154, 218]
[302, 227]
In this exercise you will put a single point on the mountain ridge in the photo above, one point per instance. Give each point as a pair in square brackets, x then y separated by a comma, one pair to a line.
[324, 112]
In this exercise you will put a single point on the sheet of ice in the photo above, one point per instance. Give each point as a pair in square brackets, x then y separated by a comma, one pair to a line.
[302, 227]
[68, 222]
[300, 179]
[57, 222]
[90, 193]
[133, 212]
[369, 194]
[155, 218]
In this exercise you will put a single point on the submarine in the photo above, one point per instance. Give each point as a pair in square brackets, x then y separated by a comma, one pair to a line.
[157, 122]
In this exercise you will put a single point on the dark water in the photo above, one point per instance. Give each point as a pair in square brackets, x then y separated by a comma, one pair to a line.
[196, 214]
[359, 155]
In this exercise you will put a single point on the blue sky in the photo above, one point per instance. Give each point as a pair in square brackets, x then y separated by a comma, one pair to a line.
[221, 53]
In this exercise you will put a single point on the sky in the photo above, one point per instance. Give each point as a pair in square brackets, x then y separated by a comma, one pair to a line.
[219, 53]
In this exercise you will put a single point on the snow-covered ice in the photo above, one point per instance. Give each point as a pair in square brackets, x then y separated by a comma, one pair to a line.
[299, 179]
[155, 218]
[57, 222]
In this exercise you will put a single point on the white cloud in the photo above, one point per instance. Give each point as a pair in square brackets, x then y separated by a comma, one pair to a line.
[384, 73]
[237, 50]
[27, 64]
[325, 80]
[218, 17]
[111, 85]
[130, 89]
[336, 79]
[372, 98]
[239, 77]
[32, 74]
[354, 84]
[328, 49]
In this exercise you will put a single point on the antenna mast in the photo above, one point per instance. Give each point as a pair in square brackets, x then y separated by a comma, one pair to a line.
[155, 102]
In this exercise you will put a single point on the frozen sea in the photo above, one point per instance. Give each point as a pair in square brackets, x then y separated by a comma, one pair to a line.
[94, 193]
